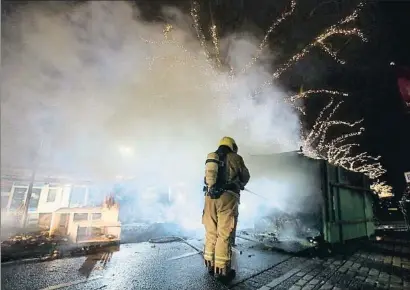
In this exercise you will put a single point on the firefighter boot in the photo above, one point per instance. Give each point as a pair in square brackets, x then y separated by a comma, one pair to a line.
[224, 274]
[209, 267]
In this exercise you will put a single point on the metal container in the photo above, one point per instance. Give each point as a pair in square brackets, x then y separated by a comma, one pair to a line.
[339, 200]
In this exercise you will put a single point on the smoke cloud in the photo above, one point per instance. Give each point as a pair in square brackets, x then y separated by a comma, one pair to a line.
[106, 95]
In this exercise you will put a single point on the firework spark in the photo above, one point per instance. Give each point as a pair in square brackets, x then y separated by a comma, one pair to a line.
[215, 39]
[319, 41]
[264, 42]
[315, 144]
[199, 32]
[338, 151]
[305, 94]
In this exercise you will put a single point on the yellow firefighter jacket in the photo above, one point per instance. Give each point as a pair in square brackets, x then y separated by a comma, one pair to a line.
[235, 174]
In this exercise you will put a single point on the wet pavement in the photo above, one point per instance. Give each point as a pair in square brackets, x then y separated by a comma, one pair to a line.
[375, 264]
[382, 264]
[174, 265]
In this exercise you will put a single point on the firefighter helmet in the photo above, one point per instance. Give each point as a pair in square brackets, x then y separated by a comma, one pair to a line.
[230, 142]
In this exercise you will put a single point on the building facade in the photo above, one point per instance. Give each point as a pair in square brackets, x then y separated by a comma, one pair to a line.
[49, 194]
[139, 202]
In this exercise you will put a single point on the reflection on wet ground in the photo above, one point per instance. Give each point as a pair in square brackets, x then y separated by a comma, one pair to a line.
[100, 257]
[172, 265]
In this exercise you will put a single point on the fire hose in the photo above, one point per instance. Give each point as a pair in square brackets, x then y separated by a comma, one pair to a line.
[254, 193]
[171, 239]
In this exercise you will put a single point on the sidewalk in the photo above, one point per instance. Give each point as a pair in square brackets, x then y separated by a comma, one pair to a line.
[375, 265]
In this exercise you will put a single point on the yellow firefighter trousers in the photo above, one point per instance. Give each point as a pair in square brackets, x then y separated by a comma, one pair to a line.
[233, 236]
[219, 219]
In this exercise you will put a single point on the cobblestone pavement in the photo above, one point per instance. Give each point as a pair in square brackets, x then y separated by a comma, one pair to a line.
[375, 265]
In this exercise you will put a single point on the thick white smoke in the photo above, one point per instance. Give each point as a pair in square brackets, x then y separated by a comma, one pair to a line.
[108, 96]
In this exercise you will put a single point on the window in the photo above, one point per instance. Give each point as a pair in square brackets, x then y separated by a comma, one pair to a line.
[17, 200]
[35, 197]
[77, 196]
[96, 216]
[19, 183]
[51, 196]
[80, 217]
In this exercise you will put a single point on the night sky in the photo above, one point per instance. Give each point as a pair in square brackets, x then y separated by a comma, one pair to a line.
[388, 124]
[368, 76]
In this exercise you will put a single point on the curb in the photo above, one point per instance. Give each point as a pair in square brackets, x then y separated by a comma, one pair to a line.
[25, 261]
[306, 252]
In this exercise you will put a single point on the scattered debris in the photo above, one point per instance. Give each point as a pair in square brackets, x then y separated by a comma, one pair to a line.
[34, 244]
[36, 241]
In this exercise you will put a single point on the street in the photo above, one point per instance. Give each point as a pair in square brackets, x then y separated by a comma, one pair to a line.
[375, 264]
[173, 265]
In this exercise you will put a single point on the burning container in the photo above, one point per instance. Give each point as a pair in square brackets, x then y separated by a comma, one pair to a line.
[339, 201]
[88, 225]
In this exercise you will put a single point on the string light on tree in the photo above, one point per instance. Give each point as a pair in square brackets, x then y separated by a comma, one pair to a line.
[338, 151]
[382, 189]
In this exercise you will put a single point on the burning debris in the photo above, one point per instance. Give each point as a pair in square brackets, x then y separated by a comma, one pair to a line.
[38, 238]
[23, 245]
[286, 226]
[68, 228]
[289, 232]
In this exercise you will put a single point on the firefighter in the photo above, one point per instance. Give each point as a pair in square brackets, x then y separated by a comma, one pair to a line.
[225, 176]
